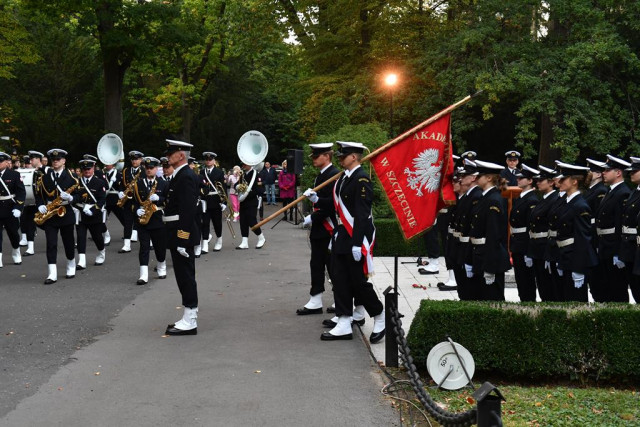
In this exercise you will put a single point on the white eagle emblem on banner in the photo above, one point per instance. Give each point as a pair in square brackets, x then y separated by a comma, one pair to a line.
[427, 172]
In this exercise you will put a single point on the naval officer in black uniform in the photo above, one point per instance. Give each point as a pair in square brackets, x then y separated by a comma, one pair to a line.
[352, 245]
[112, 178]
[128, 176]
[509, 173]
[211, 175]
[628, 246]
[182, 233]
[249, 207]
[26, 224]
[58, 183]
[12, 196]
[322, 222]
[92, 198]
[151, 191]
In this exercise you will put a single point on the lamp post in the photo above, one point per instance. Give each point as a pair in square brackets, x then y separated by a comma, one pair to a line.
[391, 80]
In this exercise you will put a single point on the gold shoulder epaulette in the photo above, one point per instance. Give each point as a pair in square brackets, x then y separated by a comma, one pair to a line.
[183, 234]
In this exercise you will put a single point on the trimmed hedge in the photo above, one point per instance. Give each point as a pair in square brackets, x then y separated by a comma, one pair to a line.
[537, 341]
[390, 241]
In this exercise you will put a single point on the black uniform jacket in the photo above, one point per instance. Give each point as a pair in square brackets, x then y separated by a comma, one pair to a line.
[216, 175]
[318, 231]
[181, 200]
[462, 224]
[512, 181]
[113, 179]
[610, 216]
[126, 177]
[594, 196]
[628, 243]
[356, 193]
[574, 222]
[48, 191]
[552, 253]
[97, 188]
[14, 184]
[451, 244]
[142, 194]
[539, 223]
[520, 217]
[489, 221]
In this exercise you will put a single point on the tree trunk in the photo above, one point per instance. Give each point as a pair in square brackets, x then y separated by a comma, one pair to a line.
[113, 76]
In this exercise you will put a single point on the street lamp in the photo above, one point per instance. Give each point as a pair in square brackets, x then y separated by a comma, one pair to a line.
[391, 80]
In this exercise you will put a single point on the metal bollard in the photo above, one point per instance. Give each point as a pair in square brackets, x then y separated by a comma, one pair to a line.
[489, 405]
[390, 343]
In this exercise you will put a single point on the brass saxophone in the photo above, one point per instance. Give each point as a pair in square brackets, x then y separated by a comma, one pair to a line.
[54, 207]
[149, 207]
[128, 191]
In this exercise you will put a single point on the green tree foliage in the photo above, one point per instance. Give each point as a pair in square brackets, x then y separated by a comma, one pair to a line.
[15, 44]
[333, 116]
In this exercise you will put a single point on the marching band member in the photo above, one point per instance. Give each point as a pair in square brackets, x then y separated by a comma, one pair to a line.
[574, 234]
[112, 177]
[519, 220]
[322, 222]
[352, 245]
[58, 185]
[150, 191]
[129, 176]
[26, 164]
[539, 233]
[488, 233]
[27, 224]
[12, 196]
[509, 173]
[248, 207]
[609, 229]
[628, 245]
[214, 179]
[92, 198]
[180, 221]
[167, 169]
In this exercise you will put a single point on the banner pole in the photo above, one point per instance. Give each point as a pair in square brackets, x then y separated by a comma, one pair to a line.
[377, 151]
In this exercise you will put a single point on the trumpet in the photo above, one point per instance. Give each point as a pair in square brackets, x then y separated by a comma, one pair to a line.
[128, 191]
[229, 214]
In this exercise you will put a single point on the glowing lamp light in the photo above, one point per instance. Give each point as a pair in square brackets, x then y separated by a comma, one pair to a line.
[391, 79]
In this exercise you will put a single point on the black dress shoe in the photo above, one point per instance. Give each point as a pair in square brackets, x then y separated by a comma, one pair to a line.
[122, 251]
[326, 336]
[81, 268]
[304, 311]
[375, 337]
[172, 330]
[440, 284]
[49, 281]
[331, 309]
[141, 282]
[68, 276]
[328, 323]
[425, 272]
[162, 277]
[27, 254]
[448, 288]
[359, 322]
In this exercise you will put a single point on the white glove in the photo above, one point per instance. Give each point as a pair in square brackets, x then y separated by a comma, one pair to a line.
[489, 278]
[528, 262]
[311, 195]
[154, 197]
[560, 272]
[223, 206]
[42, 209]
[66, 196]
[16, 213]
[307, 220]
[183, 252]
[578, 280]
[120, 195]
[617, 262]
[469, 270]
[356, 252]
[87, 210]
[140, 212]
[547, 266]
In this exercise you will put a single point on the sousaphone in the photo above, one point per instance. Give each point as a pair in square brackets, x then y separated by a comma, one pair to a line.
[111, 151]
[252, 150]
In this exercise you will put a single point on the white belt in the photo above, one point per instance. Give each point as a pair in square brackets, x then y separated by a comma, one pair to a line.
[540, 235]
[112, 192]
[593, 221]
[629, 230]
[603, 231]
[518, 230]
[463, 239]
[450, 230]
[457, 234]
[478, 241]
[9, 197]
[553, 233]
[443, 210]
[566, 242]
[170, 218]
[212, 193]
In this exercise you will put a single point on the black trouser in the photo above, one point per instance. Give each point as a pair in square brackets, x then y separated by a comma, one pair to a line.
[248, 217]
[96, 234]
[285, 202]
[569, 290]
[461, 282]
[66, 233]
[185, 271]
[349, 283]
[112, 206]
[320, 259]
[525, 278]
[431, 242]
[634, 283]
[159, 238]
[597, 284]
[616, 288]
[11, 225]
[544, 281]
[213, 214]
[128, 219]
[27, 224]
[492, 292]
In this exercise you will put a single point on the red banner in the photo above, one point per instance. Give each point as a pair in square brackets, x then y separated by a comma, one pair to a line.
[416, 174]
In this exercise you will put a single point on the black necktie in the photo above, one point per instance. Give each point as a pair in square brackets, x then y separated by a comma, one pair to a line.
[57, 175]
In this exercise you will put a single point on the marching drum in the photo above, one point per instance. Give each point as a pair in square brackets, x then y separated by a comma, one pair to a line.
[27, 177]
